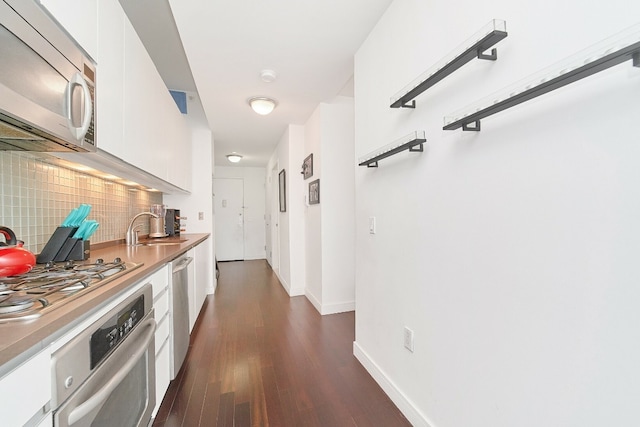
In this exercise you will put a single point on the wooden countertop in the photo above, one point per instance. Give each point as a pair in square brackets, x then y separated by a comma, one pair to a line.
[25, 338]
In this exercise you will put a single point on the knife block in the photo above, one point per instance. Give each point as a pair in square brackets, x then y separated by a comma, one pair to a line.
[55, 243]
[73, 250]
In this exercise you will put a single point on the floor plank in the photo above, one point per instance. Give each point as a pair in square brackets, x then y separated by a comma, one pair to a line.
[260, 358]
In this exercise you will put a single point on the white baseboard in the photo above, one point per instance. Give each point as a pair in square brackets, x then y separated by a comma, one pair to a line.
[292, 292]
[313, 300]
[296, 292]
[338, 307]
[405, 405]
[284, 284]
[334, 308]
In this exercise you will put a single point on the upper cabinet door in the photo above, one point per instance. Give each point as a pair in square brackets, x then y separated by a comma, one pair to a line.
[110, 77]
[79, 18]
[144, 115]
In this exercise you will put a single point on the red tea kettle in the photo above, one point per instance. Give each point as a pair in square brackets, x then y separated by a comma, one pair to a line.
[14, 259]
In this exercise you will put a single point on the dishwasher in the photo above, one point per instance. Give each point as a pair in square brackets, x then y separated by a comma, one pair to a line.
[180, 312]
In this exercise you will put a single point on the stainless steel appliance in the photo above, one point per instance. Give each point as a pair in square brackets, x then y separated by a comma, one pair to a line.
[180, 305]
[47, 83]
[172, 222]
[48, 286]
[105, 376]
[157, 225]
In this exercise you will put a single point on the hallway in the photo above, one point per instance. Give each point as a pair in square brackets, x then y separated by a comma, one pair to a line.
[260, 358]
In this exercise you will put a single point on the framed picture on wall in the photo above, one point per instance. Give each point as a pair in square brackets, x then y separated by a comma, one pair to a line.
[314, 192]
[282, 194]
[307, 166]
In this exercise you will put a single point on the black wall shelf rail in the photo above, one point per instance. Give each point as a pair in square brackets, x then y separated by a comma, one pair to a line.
[474, 47]
[616, 50]
[412, 142]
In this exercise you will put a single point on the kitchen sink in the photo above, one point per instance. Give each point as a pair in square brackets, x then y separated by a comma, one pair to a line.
[169, 243]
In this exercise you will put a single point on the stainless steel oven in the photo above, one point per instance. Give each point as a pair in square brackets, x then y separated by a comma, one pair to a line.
[105, 376]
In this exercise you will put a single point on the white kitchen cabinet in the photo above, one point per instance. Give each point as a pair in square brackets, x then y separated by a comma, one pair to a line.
[137, 120]
[191, 273]
[163, 374]
[204, 274]
[110, 78]
[26, 390]
[160, 283]
[156, 134]
[79, 18]
[200, 277]
[180, 169]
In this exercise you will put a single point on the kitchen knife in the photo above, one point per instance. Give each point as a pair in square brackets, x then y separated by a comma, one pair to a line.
[90, 230]
[67, 221]
[83, 213]
[81, 230]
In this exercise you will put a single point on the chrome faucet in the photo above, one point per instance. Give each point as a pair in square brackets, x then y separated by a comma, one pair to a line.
[131, 238]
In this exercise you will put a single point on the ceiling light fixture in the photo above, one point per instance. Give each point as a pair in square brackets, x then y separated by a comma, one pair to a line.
[262, 105]
[267, 76]
[234, 157]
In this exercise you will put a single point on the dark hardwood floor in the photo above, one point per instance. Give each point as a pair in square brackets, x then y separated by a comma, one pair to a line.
[260, 358]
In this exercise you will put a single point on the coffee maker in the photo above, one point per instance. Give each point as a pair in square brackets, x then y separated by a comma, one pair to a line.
[172, 222]
[156, 225]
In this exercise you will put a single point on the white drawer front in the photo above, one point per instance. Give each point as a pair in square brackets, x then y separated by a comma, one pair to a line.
[162, 373]
[161, 304]
[26, 389]
[159, 280]
[162, 331]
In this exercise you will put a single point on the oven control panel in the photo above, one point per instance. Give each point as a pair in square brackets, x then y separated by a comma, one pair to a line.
[115, 329]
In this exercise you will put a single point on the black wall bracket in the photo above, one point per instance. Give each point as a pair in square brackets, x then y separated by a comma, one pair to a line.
[412, 142]
[477, 50]
[512, 97]
[488, 56]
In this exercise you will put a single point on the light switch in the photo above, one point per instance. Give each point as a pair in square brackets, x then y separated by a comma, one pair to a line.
[224, 203]
[372, 225]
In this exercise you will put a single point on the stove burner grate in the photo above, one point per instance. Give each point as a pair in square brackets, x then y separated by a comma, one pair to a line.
[46, 285]
[15, 303]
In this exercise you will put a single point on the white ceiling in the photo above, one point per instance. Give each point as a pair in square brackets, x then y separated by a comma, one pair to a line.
[308, 43]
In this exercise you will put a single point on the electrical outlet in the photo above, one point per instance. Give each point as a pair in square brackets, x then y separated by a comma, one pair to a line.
[200, 216]
[408, 339]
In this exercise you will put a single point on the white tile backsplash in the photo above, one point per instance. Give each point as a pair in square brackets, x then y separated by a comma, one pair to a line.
[35, 197]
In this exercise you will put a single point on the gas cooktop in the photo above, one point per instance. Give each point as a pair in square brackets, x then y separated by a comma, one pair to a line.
[49, 286]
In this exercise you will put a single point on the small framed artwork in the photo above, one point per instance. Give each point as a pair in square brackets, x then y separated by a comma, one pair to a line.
[282, 187]
[314, 192]
[307, 167]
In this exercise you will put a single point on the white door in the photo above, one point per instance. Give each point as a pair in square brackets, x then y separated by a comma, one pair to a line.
[228, 197]
[274, 211]
[267, 220]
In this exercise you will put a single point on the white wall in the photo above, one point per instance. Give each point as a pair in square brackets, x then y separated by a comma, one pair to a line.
[254, 207]
[338, 206]
[511, 252]
[313, 213]
[330, 238]
[291, 223]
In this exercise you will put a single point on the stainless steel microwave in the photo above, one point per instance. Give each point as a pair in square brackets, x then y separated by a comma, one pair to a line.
[47, 83]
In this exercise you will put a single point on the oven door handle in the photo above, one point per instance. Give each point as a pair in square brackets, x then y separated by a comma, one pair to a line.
[103, 394]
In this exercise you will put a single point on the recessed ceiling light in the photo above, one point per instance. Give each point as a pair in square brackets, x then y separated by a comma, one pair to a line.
[234, 157]
[268, 75]
[262, 105]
